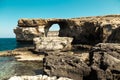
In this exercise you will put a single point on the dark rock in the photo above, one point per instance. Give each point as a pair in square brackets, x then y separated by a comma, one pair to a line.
[114, 37]
[80, 47]
[105, 61]
[112, 49]
[66, 65]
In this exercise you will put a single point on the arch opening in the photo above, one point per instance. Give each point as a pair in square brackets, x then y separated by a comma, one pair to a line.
[53, 30]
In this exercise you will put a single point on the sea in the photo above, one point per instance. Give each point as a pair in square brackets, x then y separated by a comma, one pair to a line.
[7, 44]
[10, 67]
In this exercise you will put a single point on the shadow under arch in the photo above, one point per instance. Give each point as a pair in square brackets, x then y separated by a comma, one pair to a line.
[114, 37]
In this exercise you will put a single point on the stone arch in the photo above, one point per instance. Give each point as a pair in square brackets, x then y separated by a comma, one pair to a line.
[53, 30]
[54, 27]
[63, 25]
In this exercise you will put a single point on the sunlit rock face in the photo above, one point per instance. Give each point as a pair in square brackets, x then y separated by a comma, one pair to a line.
[31, 22]
[27, 33]
[84, 30]
[38, 77]
[53, 43]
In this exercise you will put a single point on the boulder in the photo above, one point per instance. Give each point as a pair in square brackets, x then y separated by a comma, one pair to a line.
[105, 61]
[52, 43]
[66, 64]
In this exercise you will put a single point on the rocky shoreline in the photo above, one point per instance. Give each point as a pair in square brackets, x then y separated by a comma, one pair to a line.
[86, 48]
[101, 62]
[38, 77]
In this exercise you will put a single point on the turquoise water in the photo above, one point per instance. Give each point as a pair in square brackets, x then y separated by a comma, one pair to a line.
[10, 67]
[11, 43]
[7, 44]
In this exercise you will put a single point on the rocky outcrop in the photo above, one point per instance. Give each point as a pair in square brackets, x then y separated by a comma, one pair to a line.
[114, 37]
[52, 43]
[101, 63]
[23, 54]
[31, 22]
[84, 30]
[38, 77]
[105, 61]
[27, 33]
[53, 34]
[20, 62]
[66, 64]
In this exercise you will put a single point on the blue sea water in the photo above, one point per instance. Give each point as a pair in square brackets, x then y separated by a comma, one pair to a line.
[7, 44]
[10, 67]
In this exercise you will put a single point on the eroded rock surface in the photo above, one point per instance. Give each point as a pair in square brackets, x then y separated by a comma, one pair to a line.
[23, 54]
[114, 37]
[101, 63]
[27, 33]
[105, 61]
[84, 30]
[66, 64]
[53, 43]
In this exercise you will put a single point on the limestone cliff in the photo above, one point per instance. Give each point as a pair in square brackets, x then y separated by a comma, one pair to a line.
[84, 30]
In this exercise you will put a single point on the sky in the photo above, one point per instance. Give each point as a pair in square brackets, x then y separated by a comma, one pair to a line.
[12, 10]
